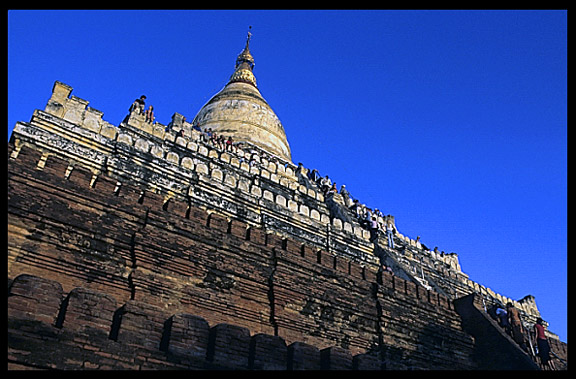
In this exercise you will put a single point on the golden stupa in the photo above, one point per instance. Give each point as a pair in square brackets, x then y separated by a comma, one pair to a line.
[240, 111]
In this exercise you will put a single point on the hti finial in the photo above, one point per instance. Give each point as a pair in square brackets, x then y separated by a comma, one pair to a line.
[249, 35]
[244, 65]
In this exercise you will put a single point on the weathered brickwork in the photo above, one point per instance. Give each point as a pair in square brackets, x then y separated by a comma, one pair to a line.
[130, 248]
[163, 263]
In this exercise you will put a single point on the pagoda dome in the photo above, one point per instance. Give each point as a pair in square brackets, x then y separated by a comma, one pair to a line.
[240, 111]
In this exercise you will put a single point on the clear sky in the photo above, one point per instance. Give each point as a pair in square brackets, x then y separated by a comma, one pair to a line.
[455, 122]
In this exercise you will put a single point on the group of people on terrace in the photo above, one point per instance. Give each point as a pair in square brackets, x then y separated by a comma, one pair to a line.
[228, 144]
[139, 107]
[371, 220]
[220, 141]
[207, 135]
[374, 221]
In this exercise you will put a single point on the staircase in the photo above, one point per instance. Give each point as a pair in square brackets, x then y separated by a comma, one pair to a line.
[495, 350]
[404, 268]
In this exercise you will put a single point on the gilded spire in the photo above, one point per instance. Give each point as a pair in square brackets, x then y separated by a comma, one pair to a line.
[238, 110]
[244, 65]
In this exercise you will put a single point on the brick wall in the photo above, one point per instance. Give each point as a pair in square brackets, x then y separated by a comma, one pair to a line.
[151, 269]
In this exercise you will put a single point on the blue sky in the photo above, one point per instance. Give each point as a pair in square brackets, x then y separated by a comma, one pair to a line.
[455, 122]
